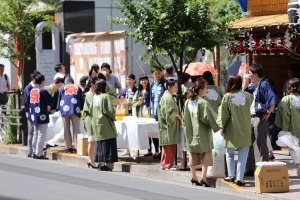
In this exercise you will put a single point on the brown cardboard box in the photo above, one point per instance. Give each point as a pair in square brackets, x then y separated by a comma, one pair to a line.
[271, 177]
[116, 102]
[82, 145]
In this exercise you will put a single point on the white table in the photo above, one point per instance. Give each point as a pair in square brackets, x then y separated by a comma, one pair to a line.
[55, 128]
[134, 136]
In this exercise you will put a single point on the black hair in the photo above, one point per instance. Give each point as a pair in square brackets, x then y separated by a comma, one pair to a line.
[193, 91]
[91, 71]
[295, 69]
[100, 86]
[88, 84]
[95, 67]
[154, 68]
[132, 76]
[234, 83]
[185, 77]
[170, 82]
[208, 77]
[39, 78]
[57, 67]
[169, 68]
[257, 69]
[1, 65]
[59, 80]
[294, 85]
[105, 65]
[100, 76]
[140, 89]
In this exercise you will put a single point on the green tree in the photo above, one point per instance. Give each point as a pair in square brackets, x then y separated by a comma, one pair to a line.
[17, 28]
[177, 29]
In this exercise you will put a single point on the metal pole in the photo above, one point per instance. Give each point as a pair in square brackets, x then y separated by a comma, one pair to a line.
[127, 48]
[218, 65]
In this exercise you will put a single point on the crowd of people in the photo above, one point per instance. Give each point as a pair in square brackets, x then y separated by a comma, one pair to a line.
[241, 116]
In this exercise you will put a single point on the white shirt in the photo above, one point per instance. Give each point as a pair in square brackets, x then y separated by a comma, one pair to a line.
[3, 83]
[59, 75]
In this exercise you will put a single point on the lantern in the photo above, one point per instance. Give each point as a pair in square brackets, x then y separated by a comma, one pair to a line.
[237, 46]
[263, 43]
[293, 14]
[280, 43]
[271, 44]
[246, 44]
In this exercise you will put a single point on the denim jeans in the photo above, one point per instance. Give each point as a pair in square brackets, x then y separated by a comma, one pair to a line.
[242, 159]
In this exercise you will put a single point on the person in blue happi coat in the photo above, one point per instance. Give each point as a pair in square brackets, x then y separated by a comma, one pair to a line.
[70, 103]
[27, 90]
[40, 104]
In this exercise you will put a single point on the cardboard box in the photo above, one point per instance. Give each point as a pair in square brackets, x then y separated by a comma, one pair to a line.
[271, 177]
[116, 102]
[82, 145]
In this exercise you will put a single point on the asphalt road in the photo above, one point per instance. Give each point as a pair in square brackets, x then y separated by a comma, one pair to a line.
[24, 178]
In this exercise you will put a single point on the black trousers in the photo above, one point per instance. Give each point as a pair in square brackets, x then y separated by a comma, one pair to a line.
[156, 144]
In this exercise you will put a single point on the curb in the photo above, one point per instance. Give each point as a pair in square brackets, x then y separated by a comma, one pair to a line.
[121, 166]
[135, 169]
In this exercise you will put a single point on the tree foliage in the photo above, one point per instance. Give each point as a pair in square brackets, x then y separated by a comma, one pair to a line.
[16, 26]
[177, 28]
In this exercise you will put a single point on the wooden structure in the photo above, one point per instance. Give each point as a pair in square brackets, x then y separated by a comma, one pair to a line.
[87, 49]
[269, 16]
[267, 7]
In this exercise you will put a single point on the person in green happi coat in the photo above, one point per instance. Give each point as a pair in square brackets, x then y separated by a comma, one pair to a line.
[103, 127]
[169, 121]
[184, 86]
[234, 118]
[109, 88]
[288, 115]
[199, 119]
[214, 93]
[141, 99]
[87, 120]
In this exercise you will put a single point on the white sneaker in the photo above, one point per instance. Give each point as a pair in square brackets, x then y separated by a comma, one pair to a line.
[126, 153]
[173, 168]
[162, 167]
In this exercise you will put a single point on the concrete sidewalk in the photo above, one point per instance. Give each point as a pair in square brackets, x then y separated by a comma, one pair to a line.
[149, 167]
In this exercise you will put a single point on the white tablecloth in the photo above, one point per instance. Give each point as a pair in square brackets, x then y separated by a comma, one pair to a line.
[55, 128]
[134, 136]
[131, 135]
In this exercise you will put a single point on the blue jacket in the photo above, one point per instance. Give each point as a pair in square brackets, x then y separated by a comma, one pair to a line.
[265, 94]
[70, 100]
[27, 90]
[123, 93]
[40, 99]
[162, 91]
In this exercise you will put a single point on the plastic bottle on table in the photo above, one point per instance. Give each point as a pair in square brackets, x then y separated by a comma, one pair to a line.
[122, 112]
[118, 113]
[145, 112]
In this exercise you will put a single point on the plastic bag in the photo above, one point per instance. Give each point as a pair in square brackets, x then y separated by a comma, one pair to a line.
[218, 142]
[218, 168]
[286, 139]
